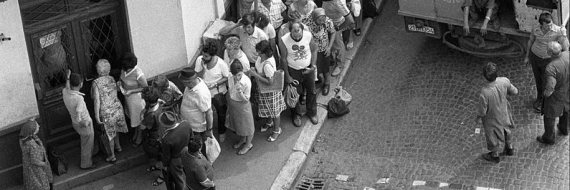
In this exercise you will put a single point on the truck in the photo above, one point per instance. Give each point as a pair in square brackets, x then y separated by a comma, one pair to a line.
[443, 19]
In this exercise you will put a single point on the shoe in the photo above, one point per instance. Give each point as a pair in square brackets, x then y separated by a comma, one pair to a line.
[111, 160]
[151, 169]
[357, 32]
[93, 166]
[266, 126]
[158, 181]
[119, 149]
[336, 71]
[314, 119]
[303, 100]
[222, 137]
[349, 46]
[489, 157]
[239, 144]
[560, 131]
[244, 150]
[540, 140]
[136, 144]
[497, 24]
[509, 151]
[273, 137]
[537, 105]
[297, 120]
[326, 89]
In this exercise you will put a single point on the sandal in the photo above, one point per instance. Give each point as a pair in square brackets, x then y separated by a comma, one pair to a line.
[239, 144]
[276, 133]
[267, 126]
[152, 168]
[111, 160]
[158, 181]
[357, 32]
[244, 150]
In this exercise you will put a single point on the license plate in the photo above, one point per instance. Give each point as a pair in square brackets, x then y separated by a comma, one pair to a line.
[425, 29]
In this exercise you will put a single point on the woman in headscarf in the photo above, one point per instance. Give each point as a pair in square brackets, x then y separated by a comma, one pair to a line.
[35, 164]
[108, 109]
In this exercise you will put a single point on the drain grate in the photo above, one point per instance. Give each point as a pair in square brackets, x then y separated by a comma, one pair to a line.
[307, 183]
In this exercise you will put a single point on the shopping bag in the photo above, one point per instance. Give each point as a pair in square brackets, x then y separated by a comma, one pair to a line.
[336, 108]
[342, 94]
[57, 161]
[291, 96]
[212, 149]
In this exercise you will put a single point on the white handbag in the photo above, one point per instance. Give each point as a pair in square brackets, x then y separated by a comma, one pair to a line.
[212, 149]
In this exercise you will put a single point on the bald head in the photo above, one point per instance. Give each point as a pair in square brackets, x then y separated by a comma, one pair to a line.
[554, 48]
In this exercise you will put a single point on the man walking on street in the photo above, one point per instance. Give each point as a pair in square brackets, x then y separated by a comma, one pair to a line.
[299, 58]
[556, 97]
[174, 139]
[493, 112]
[196, 107]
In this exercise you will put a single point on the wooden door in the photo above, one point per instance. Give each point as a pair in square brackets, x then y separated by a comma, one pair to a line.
[70, 34]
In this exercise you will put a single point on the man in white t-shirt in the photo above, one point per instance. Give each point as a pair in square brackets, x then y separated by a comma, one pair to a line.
[299, 63]
[215, 73]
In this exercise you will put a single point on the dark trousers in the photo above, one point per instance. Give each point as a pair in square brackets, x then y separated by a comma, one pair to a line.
[221, 109]
[538, 67]
[306, 83]
[203, 136]
[549, 122]
[176, 174]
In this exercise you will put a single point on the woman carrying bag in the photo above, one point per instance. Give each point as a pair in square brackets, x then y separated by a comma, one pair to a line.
[35, 164]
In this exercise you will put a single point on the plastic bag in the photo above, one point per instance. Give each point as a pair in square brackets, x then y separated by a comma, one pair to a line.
[342, 95]
[212, 149]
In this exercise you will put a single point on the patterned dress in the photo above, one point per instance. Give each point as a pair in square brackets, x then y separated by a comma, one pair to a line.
[36, 167]
[270, 104]
[111, 110]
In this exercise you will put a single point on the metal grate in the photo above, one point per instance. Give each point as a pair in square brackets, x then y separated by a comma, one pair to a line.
[53, 55]
[307, 183]
[100, 39]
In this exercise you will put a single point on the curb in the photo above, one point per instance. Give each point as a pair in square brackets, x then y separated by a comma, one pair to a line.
[304, 143]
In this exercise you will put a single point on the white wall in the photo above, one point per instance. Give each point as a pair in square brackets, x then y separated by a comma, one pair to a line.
[17, 93]
[157, 35]
[196, 16]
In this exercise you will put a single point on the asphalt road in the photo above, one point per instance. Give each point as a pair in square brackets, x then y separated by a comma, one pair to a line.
[412, 121]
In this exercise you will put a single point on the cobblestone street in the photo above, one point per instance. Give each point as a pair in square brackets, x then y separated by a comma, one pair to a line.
[413, 119]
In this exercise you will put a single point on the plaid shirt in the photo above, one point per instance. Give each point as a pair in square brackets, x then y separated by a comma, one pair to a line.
[274, 12]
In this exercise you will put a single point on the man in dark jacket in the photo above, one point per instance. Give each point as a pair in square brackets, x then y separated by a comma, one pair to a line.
[557, 100]
[174, 139]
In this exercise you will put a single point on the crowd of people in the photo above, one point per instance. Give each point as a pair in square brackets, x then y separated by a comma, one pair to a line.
[294, 42]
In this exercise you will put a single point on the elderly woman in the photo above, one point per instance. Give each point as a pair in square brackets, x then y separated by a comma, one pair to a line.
[240, 117]
[108, 109]
[271, 104]
[168, 92]
[35, 164]
[537, 55]
[132, 83]
[234, 52]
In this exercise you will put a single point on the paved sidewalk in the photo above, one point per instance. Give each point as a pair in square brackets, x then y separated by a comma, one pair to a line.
[412, 121]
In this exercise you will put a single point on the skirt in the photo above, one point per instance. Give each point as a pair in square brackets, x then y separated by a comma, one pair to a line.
[270, 104]
[135, 105]
[240, 117]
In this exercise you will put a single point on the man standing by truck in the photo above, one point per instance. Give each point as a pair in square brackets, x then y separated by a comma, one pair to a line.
[475, 8]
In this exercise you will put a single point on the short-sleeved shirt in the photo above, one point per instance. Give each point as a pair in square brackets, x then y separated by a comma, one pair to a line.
[195, 103]
[130, 79]
[274, 12]
[557, 77]
[266, 67]
[248, 42]
[194, 166]
[245, 84]
[171, 94]
[213, 75]
[241, 57]
[310, 6]
[479, 4]
[75, 105]
[336, 10]
[542, 39]
[270, 31]
[321, 32]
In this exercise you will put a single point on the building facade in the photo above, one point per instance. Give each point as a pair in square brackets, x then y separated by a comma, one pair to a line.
[41, 39]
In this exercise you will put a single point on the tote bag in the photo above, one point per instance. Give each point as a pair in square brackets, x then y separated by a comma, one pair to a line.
[278, 81]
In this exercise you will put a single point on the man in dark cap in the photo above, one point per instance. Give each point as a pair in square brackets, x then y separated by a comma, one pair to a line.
[175, 138]
[196, 106]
